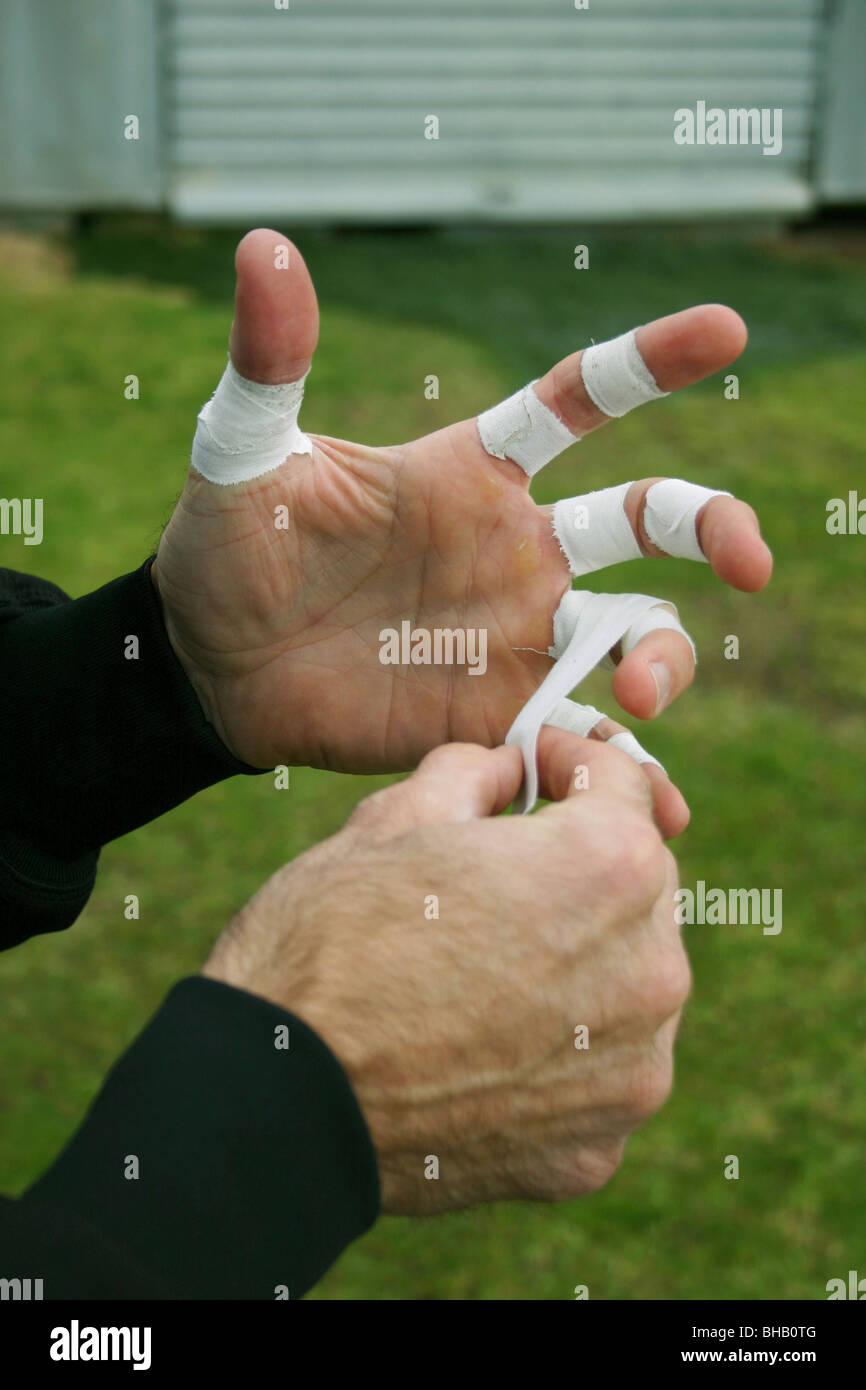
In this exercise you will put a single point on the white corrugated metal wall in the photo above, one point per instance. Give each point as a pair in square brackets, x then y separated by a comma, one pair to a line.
[544, 110]
[70, 72]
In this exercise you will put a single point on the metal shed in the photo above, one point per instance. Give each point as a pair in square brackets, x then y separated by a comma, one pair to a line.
[324, 109]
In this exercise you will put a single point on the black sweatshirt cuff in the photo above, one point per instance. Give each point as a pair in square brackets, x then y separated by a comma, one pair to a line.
[96, 744]
[255, 1166]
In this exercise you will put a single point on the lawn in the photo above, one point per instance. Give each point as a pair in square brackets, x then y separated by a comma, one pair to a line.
[769, 748]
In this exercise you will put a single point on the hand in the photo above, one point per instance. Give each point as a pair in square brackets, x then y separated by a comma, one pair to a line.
[458, 1032]
[279, 630]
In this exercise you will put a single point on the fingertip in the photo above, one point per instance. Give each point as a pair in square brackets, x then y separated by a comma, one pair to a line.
[258, 243]
[503, 773]
[692, 344]
[560, 755]
[730, 537]
[654, 673]
[276, 321]
[633, 686]
[728, 532]
[727, 327]
[753, 569]
[670, 808]
[482, 781]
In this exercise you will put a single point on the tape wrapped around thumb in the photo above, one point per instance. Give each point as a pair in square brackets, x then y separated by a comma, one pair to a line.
[247, 429]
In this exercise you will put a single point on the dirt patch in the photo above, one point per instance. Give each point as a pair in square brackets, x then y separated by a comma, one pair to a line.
[33, 260]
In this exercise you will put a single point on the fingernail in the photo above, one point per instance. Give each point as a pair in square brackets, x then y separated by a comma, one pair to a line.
[662, 678]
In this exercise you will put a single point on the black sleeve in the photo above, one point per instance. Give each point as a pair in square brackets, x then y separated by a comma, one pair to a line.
[93, 742]
[254, 1165]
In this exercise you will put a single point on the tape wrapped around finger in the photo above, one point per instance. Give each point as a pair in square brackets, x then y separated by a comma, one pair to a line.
[616, 377]
[670, 516]
[575, 718]
[652, 621]
[525, 430]
[582, 719]
[247, 429]
[594, 531]
[627, 742]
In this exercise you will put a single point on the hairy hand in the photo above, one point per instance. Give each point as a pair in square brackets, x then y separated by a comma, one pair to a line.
[503, 993]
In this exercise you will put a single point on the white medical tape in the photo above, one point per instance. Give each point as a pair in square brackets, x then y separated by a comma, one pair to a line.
[651, 621]
[577, 719]
[582, 719]
[602, 621]
[247, 429]
[616, 377]
[629, 744]
[593, 530]
[566, 618]
[525, 430]
[669, 517]
[571, 606]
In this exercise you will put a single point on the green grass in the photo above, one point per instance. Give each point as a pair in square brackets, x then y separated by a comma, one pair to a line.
[769, 748]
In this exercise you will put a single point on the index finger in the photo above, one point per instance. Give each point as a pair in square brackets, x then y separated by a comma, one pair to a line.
[677, 350]
[587, 388]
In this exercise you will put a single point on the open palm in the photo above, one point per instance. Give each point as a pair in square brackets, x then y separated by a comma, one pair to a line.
[279, 626]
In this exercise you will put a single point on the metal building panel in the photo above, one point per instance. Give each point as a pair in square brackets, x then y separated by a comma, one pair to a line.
[70, 72]
[841, 163]
[544, 111]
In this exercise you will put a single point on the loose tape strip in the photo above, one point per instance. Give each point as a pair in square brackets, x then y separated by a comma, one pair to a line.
[603, 620]
[573, 602]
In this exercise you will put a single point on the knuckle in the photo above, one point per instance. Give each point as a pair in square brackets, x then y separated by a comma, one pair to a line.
[638, 853]
[448, 757]
[666, 982]
[590, 858]
[576, 1173]
[374, 809]
[598, 1165]
[677, 984]
[649, 1089]
[437, 759]
[672, 982]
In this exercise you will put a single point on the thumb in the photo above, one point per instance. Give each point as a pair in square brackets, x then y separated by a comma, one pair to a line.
[276, 323]
[456, 782]
[250, 424]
